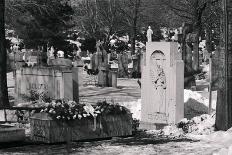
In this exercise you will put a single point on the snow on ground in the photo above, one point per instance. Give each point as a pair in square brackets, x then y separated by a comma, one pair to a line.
[199, 127]
[189, 94]
[134, 107]
[223, 138]
[194, 103]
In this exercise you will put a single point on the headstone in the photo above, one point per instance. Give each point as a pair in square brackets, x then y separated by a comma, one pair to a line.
[162, 85]
[52, 82]
[103, 78]
[123, 65]
[103, 67]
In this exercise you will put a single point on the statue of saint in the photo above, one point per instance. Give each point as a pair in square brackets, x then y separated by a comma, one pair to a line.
[149, 34]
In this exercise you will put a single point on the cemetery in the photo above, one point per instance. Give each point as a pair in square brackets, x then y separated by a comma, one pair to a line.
[115, 78]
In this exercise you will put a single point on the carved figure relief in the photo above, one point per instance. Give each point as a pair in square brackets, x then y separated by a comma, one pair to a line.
[158, 79]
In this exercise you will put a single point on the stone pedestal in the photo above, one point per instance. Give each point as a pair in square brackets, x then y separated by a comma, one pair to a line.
[52, 82]
[162, 85]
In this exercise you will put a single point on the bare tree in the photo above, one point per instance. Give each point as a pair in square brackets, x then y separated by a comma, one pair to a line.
[130, 9]
[193, 13]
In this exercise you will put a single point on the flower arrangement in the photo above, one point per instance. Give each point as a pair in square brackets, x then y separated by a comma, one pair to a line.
[107, 109]
[70, 110]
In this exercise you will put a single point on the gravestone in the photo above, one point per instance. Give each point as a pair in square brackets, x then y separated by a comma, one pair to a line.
[162, 85]
[123, 65]
[47, 82]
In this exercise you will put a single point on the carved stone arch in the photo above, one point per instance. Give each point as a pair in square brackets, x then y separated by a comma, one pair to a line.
[158, 78]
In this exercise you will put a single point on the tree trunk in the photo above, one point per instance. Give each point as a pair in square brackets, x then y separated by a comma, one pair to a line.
[4, 102]
[208, 40]
[196, 30]
[224, 97]
[135, 20]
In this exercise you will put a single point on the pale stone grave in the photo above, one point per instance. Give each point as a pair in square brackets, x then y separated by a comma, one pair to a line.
[162, 85]
[54, 82]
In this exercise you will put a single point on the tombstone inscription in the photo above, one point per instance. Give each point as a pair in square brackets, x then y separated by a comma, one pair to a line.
[162, 85]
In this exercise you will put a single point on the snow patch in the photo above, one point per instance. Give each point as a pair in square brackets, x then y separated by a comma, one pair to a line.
[134, 107]
[189, 94]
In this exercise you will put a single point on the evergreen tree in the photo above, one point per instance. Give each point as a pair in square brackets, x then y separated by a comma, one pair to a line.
[41, 22]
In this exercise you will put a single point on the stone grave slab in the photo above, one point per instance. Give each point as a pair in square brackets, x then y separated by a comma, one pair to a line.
[11, 134]
[162, 85]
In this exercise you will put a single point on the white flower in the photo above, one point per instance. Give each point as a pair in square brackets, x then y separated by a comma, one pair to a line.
[98, 112]
[79, 116]
[68, 118]
[89, 109]
[58, 117]
[58, 104]
[94, 115]
[84, 115]
[47, 104]
[42, 110]
[50, 111]
[75, 116]
[53, 104]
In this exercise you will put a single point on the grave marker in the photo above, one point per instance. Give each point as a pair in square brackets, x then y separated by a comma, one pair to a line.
[53, 82]
[162, 85]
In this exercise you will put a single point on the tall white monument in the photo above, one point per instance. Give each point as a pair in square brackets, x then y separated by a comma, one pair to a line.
[149, 34]
[162, 85]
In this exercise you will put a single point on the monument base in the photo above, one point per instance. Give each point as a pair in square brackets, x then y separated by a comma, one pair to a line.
[11, 134]
[45, 129]
[150, 126]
